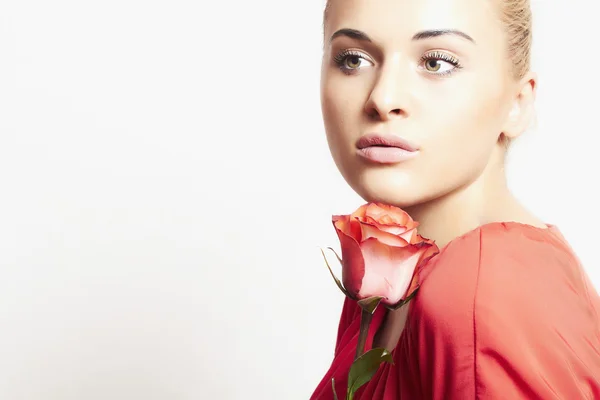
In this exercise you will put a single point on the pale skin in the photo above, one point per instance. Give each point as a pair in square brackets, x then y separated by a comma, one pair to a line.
[394, 83]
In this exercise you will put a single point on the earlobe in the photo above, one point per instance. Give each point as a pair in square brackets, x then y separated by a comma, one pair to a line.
[521, 113]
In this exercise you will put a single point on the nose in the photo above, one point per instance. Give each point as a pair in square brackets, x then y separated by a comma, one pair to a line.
[389, 97]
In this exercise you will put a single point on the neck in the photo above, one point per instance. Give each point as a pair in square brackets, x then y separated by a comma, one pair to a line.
[484, 200]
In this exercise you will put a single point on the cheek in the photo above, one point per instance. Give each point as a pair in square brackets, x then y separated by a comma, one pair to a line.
[334, 114]
[341, 106]
[463, 133]
[466, 119]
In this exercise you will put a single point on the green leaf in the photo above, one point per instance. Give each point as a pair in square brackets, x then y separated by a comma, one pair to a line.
[370, 304]
[333, 387]
[337, 281]
[363, 369]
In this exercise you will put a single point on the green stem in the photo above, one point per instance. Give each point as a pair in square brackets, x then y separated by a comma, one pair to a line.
[365, 322]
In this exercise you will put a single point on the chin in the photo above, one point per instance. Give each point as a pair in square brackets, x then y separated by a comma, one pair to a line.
[393, 199]
[387, 186]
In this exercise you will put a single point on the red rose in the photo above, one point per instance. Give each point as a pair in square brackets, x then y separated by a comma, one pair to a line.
[381, 251]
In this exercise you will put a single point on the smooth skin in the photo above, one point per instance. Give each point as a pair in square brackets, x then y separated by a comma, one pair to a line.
[388, 69]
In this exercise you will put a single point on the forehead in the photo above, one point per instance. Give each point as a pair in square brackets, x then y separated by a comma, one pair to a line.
[392, 20]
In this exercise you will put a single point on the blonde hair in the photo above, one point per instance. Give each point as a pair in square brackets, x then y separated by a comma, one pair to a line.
[516, 18]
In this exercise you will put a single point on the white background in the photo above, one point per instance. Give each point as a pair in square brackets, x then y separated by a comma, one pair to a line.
[166, 184]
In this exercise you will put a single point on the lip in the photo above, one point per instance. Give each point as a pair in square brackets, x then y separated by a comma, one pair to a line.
[374, 139]
[388, 149]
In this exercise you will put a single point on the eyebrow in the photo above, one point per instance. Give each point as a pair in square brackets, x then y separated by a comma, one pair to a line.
[359, 35]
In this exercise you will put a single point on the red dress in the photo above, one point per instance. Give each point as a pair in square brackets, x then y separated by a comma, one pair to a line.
[504, 312]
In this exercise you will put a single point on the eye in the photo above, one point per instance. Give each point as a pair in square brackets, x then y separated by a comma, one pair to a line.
[439, 63]
[351, 61]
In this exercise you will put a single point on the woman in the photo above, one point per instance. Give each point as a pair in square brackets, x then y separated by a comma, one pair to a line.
[421, 100]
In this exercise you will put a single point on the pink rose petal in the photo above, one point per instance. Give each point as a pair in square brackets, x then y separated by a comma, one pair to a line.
[388, 270]
[353, 265]
[371, 231]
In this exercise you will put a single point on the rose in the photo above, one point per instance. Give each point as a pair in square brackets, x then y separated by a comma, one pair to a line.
[381, 257]
[381, 253]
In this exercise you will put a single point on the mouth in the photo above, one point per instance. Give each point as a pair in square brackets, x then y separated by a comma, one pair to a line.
[386, 149]
[385, 141]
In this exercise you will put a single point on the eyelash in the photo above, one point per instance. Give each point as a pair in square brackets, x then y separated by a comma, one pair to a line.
[341, 58]
[438, 55]
[344, 55]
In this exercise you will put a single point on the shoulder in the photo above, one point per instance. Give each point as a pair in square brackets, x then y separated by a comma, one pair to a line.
[500, 270]
[499, 300]
[505, 255]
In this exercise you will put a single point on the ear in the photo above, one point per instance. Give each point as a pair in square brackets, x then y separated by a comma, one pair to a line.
[522, 112]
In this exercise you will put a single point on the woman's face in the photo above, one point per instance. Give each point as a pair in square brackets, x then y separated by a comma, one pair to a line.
[390, 70]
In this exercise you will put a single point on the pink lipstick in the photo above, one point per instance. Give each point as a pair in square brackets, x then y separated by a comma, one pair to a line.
[385, 149]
